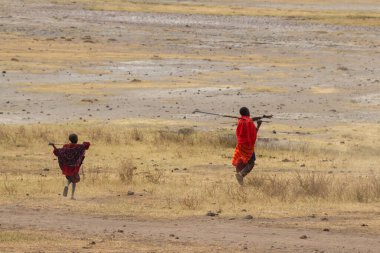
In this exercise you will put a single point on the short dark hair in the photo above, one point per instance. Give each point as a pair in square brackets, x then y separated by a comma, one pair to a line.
[73, 138]
[244, 111]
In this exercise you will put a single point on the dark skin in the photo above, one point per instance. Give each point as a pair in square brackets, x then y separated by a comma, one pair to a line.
[53, 145]
[259, 122]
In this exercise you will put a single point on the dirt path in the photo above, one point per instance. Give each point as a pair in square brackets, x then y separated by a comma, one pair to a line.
[231, 235]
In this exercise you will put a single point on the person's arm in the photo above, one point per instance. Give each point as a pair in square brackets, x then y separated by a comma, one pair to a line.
[262, 117]
[55, 151]
[53, 145]
[259, 122]
[86, 145]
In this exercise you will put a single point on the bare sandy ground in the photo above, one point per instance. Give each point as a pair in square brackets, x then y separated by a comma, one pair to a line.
[65, 63]
[219, 234]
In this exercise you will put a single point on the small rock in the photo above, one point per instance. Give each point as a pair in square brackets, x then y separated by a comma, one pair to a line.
[171, 235]
[303, 237]
[212, 214]
[120, 231]
[248, 217]
[244, 210]
[326, 230]
[93, 243]
[364, 225]
[324, 219]
[130, 193]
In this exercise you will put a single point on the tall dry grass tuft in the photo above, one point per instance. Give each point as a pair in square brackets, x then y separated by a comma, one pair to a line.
[190, 201]
[314, 185]
[155, 177]
[10, 187]
[126, 171]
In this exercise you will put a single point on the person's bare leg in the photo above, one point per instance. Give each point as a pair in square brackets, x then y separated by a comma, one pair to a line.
[73, 190]
[238, 176]
[247, 169]
[244, 172]
[66, 188]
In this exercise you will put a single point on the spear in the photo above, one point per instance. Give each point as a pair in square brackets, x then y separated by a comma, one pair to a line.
[234, 117]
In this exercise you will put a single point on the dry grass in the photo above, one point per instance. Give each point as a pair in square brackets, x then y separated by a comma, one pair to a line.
[185, 172]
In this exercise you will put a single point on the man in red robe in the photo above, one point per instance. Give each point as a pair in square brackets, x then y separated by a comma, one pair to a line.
[70, 159]
[246, 134]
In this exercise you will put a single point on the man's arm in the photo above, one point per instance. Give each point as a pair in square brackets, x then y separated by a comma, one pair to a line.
[86, 145]
[262, 117]
[259, 122]
[53, 145]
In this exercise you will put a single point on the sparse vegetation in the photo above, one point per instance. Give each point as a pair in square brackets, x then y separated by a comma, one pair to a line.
[170, 168]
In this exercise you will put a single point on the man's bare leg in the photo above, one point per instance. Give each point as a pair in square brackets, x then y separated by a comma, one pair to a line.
[73, 191]
[66, 189]
[244, 172]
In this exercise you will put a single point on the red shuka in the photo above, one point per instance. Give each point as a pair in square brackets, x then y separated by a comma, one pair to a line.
[246, 132]
[70, 170]
[246, 135]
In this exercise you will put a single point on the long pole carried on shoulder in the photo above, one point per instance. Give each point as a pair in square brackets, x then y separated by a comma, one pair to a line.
[216, 114]
[233, 117]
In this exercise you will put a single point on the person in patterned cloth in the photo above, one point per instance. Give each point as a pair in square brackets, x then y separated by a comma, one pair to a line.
[70, 159]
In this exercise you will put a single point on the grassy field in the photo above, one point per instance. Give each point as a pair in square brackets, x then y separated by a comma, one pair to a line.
[180, 172]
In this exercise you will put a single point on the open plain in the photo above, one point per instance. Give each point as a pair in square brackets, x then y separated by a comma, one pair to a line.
[127, 76]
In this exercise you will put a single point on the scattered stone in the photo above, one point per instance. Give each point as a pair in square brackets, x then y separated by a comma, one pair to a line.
[46, 169]
[364, 225]
[4, 72]
[120, 231]
[324, 219]
[93, 243]
[130, 193]
[171, 235]
[244, 210]
[212, 214]
[342, 68]
[326, 230]
[15, 59]
[286, 160]
[303, 237]
[313, 216]
[248, 217]
[136, 80]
